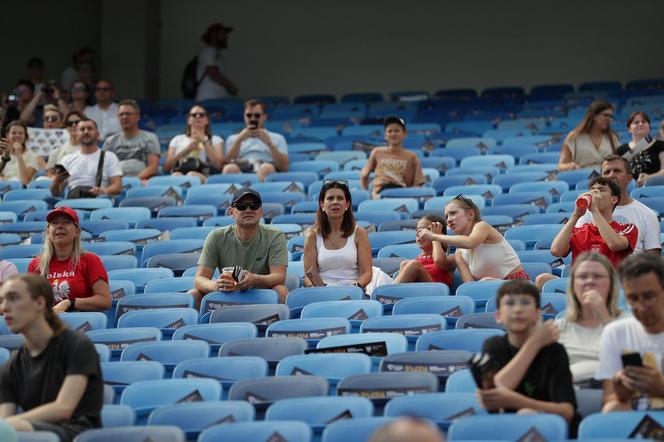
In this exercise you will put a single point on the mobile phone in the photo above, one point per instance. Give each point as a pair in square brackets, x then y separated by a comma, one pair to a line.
[60, 170]
[633, 359]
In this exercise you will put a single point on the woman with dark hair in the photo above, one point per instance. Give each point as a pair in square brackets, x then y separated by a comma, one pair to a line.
[17, 162]
[591, 141]
[79, 96]
[645, 155]
[78, 278]
[336, 250]
[592, 302]
[53, 382]
[71, 146]
[196, 151]
[481, 251]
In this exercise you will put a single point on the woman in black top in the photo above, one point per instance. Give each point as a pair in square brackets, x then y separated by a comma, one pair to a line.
[645, 155]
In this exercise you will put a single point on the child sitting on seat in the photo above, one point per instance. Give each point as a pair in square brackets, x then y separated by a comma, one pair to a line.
[433, 264]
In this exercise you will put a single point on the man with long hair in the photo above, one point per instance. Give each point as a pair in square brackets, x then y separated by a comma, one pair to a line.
[55, 376]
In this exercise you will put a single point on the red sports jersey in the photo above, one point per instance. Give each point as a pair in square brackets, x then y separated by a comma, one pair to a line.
[68, 282]
[437, 274]
[587, 239]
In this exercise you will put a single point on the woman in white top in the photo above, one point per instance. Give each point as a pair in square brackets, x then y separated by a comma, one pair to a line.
[197, 152]
[482, 252]
[592, 302]
[336, 249]
[17, 162]
[591, 141]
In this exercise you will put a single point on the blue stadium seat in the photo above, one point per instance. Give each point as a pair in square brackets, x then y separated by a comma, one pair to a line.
[458, 339]
[165, 224]
[169, 285]
[556, 286]
[145, 396]
[195, 417]
[214, 300]
[190, 245]
[500, 161]
[441, 408]
[119, 374]
[292, 431]
[480, 291]
[530, 234]
[168, 353]
[84, 321]
[440, 202]
[261, 392]
[310, 329]
[132, 215]
[540, 199]
[317, 412]
[410, 325]
[216, 334]
[20, 251]
[115, 262]
[478, 320]
[508, 426]
[117, 416]
[404, 206]
[140, 277]
[331, 366]
[299, 298]
[225, 370]
[164, 433]
[409, 251]
[388, 295]
[354, 311]
[353, 430]
[382, 386]
[271, 349]
[168, 319]
[615, 425]
[118, 339]
[261, 315]
[450, 307]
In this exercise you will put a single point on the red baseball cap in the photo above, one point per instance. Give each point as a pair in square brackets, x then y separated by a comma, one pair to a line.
[62, 211]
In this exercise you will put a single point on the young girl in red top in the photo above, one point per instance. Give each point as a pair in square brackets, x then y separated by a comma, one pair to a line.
[433, 264]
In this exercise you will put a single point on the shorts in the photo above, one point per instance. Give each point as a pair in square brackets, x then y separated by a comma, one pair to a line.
[519, 274]
[66, 431]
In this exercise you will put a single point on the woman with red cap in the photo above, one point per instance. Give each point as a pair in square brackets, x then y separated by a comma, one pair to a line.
[78, 278]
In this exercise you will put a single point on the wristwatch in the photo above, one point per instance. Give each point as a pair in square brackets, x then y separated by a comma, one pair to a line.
[72, 305]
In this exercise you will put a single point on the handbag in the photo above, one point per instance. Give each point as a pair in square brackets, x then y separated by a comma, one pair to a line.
[84, 191]
[190, 164]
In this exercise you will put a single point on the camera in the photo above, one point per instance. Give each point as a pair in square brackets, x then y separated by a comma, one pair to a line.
[12, 99]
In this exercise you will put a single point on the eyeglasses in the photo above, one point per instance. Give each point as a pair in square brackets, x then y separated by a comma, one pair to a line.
[608, 116]
[103, 89]
[126, 114]
[51, 118]
[328, 183]
[72, 123]
[252, 115]
[244, 206]
[198, 115]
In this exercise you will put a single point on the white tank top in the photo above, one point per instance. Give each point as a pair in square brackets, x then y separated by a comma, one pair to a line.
[338, 267]
[492, 260]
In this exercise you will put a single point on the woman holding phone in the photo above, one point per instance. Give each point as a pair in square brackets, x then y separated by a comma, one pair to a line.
[336, 250]
[645, 155]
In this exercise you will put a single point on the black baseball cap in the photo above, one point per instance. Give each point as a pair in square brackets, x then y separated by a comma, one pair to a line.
[237, 196]
[393, 119]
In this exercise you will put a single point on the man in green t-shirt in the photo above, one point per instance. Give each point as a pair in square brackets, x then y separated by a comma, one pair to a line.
[257, 248]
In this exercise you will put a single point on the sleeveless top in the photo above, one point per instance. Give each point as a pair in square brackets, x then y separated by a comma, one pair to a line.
[338, 267]
[492, 260]
[584, 152]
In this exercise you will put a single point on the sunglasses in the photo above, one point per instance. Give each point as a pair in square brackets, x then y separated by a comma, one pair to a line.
[255, 205]
[251, 115]
[51, 118]
[198, 115]
[72, 123]
[468, 201]
[327, 183]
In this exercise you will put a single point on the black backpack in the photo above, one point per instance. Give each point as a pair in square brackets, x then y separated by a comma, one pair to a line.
[189, 84]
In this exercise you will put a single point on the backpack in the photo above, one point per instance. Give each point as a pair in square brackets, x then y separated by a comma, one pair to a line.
[189, 84]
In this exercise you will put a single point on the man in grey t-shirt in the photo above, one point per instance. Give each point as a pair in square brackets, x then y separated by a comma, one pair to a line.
[257, 248]
[137, 150]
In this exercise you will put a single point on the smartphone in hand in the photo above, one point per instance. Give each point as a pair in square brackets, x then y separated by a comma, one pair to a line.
[633, 359]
